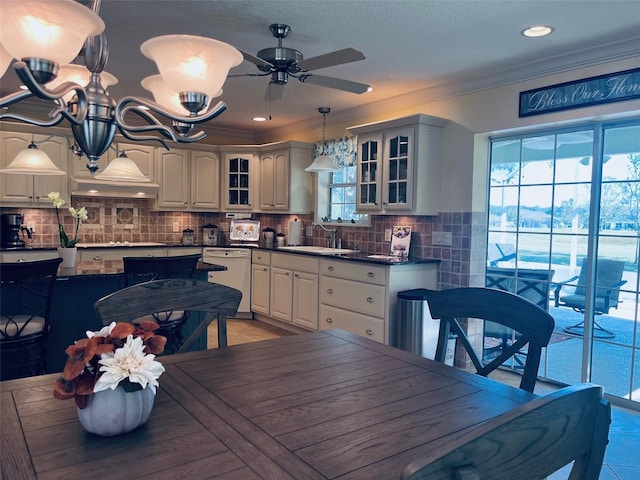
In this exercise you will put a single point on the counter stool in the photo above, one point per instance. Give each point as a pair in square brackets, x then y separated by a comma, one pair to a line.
[27, 295]
[143, 269]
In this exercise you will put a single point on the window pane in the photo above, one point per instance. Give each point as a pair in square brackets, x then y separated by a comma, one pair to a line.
[571, 207]
[535, 207]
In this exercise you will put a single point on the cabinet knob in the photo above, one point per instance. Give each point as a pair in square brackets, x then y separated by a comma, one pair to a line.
[295, 275]
[369, 331]
[97, 257]
[329, 291]
[287, 274]
[371, 274]
[330, 268]
[370, 299]
[329, 320]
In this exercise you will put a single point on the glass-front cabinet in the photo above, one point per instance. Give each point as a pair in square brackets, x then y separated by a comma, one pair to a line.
[399, 165]
[238, 184]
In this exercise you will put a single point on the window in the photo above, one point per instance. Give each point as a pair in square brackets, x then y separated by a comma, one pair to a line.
[336, 191]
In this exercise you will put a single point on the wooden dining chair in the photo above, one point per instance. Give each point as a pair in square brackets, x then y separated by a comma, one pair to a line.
[532, 326]
[27, 294]
[130, 303]
[141, 269]
[527, 443]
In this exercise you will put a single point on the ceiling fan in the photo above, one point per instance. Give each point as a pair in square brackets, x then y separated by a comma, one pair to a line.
[282, 62]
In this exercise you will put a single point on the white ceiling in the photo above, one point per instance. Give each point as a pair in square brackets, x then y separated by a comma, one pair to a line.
[449, 46]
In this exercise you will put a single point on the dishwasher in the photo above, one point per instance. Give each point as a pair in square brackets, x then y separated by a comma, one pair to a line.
[237, 260]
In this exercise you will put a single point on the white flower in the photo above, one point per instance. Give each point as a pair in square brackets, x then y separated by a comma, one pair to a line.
[79, 214]
[56, 199]
[103, 332]
[129, 362]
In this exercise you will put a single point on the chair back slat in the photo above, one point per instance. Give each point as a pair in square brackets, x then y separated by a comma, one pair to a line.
[529, 442]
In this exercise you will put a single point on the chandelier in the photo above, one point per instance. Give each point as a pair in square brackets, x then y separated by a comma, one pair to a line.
[44, 36]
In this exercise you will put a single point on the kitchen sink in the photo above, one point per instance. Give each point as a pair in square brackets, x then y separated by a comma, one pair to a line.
[319, 250]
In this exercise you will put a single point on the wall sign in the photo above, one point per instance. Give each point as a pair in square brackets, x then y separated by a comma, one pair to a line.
[613, 87]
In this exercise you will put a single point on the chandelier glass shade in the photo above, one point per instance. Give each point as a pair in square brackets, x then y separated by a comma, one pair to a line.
[166, 97]
[44, 36]
[32, 161]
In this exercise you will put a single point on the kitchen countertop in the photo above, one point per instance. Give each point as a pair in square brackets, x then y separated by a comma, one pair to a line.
[97, 268]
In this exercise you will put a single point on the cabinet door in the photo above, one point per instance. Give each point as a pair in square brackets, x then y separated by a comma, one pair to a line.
[274, 181]
[238, 181]
[173, 177]
[281, 294]
[398, 170]
[305, 300]
[260, 283]
[369, 180]
[205, 180]
[33, 189]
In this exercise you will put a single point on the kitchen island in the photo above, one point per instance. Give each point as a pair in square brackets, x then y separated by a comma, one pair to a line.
[76, 291]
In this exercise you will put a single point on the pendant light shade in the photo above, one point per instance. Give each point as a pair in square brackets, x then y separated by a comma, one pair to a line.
[123, 169]
[54, 31]
[32, 161]
[81, 75]
[324, 162]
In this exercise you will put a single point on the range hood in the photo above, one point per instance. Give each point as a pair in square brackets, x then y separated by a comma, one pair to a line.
[92, 187]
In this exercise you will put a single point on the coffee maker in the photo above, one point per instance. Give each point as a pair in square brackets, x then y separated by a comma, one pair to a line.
[11, 228]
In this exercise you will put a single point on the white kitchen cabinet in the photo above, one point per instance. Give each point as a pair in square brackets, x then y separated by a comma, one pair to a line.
[28, 256]
[33, 190]
[399, 166]
[189, 180]
[361, 298]
[239, 182]
[101, 254]
[294, 289]
[285, 186]
[260, 281]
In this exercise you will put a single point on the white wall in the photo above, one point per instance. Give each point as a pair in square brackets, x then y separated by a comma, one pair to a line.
[473, 118]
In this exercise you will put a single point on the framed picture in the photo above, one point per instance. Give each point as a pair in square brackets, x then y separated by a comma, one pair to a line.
[400, 241]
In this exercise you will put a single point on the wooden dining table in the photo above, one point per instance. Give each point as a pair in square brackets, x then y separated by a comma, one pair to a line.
[320, 405]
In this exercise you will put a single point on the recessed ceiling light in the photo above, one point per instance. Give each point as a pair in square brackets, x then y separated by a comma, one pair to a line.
[537, 31]
[259, 119]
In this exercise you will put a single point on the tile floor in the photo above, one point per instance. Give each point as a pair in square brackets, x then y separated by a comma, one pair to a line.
[622, 459]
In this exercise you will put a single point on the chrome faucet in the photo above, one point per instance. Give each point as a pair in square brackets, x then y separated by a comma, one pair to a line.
[331, 241]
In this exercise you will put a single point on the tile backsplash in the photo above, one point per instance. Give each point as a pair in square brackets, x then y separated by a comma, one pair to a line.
[133, 220]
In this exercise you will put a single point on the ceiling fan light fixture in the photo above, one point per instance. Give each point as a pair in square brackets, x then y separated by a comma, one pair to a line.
[323, 162]
[32, 161]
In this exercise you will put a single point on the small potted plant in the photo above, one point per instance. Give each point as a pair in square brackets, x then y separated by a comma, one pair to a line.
[67, 247]
[113, 375]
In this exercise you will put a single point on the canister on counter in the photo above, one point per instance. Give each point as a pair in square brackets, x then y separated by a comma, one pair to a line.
[187, 236]
[280, 240]
[210, 235]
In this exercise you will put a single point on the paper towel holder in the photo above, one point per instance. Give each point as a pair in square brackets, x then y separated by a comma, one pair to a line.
[295, 232]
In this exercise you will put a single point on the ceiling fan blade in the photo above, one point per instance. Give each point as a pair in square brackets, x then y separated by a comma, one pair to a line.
[256, 60]
[274, 92]
[337, 83]
[346, 55]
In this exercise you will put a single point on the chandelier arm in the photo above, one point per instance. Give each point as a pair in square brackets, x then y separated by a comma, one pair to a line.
[56, 115]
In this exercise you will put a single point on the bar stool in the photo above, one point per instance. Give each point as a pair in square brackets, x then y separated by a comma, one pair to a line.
[143, 269]
[25, 323]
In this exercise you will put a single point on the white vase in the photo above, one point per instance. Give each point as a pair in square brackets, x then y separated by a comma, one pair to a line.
[68, 256]
[115, 412]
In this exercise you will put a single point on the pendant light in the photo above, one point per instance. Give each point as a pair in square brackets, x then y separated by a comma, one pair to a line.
[122, 169]
[32, 161]
[323, 163]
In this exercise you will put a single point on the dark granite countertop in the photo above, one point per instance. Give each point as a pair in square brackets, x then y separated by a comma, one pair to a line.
[107, 268]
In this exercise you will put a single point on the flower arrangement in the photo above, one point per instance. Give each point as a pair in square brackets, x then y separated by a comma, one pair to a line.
[79, 215]
[119, 354]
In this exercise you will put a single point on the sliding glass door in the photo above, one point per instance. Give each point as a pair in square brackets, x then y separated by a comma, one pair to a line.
[563, 221]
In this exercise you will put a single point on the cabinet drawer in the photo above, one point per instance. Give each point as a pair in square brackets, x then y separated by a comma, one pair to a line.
[300, 263]
[359, 297]
[353, 271]
[13, 257]
[362, 325]
[259, 257]
[118, 253]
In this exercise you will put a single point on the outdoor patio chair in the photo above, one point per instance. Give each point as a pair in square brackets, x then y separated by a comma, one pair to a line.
[608, 282]
[533, 326]
[530, 442]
